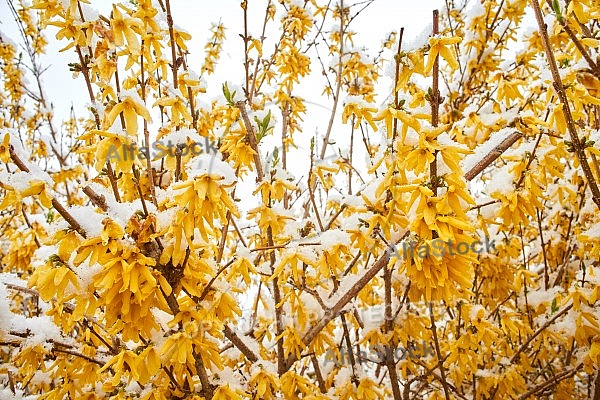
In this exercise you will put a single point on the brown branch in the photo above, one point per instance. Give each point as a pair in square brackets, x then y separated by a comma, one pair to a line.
[540, 330]
[97, 199]
[311, 189]
[149, 168]
[86, 75]
[338, 84]
[396, 92]
[389, 326]
[539, 220]
[435, 105]
[332, 312]
[440, 363]
[596, 395]
[552, 381]
[245, 38]
[74, 353]
[61, 210]
[579, 46]
[207, 387]
[492, 155]
[237, 342]
[285, 112]
[174, 65]
[334, 217]
[57, 350]
[318, 373]
[258, 60]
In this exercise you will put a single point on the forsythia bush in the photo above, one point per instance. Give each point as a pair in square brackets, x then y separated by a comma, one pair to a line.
[458, 221]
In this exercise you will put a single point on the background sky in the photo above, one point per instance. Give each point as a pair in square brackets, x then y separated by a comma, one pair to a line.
[196, 16]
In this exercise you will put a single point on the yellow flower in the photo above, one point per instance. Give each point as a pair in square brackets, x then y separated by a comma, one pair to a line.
[130, 108]
[360, 112]
[178, 108]
[126, 27]
[5, 148]
[438, 47]
[389, 114]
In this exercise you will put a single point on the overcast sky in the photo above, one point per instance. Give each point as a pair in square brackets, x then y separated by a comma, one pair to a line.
[196, 16]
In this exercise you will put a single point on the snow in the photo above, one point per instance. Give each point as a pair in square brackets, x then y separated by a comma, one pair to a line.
[372, 318]
[132, 94]
[358, 100]
[419, 40]
[180, 137]
[119, 212]
[334, 237]
[592, 232]
[484, 149]
[476, 10]
[8, 278]
[477, 311]
[541, 296]
[86, 274]
[42, 329]
[445, 140]
[211, 164]
[566, 325]
[90, 221]
[343, 378]
[21, 181]
[501, 182]
[40, 378]
[229, 377]
[89, 13]
[7, 394]
[5, 313]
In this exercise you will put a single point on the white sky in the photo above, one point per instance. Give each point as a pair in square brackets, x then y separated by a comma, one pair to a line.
[196, 16]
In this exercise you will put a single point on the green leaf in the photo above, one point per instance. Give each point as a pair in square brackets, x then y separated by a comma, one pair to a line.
[556, 8]
[228, 95]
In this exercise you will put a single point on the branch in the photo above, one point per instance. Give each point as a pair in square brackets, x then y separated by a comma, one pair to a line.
[338, 84]
[552, 381]
[237, 342]
[97, 199]
[332, 312]
[493, 155]
[61, 210]
[438, 352]
[540, 330]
